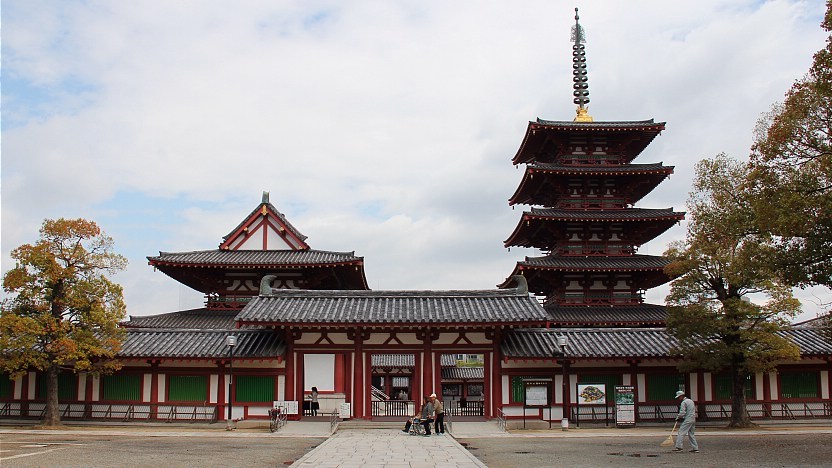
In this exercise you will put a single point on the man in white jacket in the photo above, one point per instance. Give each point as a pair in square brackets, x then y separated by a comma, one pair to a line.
[687, 417]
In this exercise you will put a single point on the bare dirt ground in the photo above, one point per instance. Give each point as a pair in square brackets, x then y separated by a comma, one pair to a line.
[722, 450]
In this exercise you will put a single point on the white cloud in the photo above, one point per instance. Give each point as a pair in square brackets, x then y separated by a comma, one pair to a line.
[381, 127]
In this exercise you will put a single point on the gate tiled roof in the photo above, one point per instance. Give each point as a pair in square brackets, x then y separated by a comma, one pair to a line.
[293, 307]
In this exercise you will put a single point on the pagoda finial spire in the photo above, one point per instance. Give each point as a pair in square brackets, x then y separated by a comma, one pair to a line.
[579, 77]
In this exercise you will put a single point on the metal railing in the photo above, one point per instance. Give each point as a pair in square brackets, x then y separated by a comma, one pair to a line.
[333, 421]
[501, 419]
[117, 412]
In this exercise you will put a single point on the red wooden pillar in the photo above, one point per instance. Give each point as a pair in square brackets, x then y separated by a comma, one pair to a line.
[416, 382]
[497, 377]
[339, 374]
[489, 403]
[154, 389]
[437, 375]
[358, 376]
[221, 385]
[289, 385]
[299, 381]
[634, 383]
[567, 390]
[700, 393]
[428, 350]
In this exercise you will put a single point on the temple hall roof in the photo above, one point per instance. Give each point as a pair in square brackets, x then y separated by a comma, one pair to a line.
[623, 263]
[253, 258]
[609, 343]
[201, 344]
[607, 316]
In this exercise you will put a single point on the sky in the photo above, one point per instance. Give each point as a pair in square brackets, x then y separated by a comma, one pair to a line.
[386, 128]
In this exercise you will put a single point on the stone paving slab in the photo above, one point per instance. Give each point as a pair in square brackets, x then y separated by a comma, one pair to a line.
[389, 449]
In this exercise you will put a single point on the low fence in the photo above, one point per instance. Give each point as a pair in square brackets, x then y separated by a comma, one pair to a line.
[465, 408]
[115, 412]
[399, 408]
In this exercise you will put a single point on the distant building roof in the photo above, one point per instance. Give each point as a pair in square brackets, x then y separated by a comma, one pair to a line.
[203, 319]
[463, 373]
[304, 307]
[406, 360]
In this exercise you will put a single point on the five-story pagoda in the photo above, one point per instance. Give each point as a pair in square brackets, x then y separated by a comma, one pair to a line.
[582, 184]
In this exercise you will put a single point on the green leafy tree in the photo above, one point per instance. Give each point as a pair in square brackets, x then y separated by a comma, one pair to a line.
[62, 311]
[791, 173]
[723, 259]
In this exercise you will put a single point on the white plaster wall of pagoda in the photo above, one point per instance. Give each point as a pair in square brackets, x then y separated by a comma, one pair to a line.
[161, 387]
[319, 371]
[824, 384]
[504, 389]
[759, 383]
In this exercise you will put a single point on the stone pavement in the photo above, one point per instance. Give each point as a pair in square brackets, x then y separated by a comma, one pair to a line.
[388, 448]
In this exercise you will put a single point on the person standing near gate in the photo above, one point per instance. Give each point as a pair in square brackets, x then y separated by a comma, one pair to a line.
[439, 409]
[687, 416]
[314, 406]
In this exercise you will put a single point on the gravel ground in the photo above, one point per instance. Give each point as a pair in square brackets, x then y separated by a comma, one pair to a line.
[18, 450]
[723, 450]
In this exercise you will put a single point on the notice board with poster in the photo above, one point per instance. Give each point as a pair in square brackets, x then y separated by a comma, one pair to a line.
[625, 406]
[592, 394]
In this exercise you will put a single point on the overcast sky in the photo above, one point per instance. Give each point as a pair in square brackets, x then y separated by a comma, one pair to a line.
[380, 127]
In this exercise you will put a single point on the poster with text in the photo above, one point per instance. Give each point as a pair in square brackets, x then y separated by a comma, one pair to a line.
[592, 394]
[625, 406]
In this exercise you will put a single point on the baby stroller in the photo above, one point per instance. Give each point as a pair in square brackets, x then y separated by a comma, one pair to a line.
[416, 427]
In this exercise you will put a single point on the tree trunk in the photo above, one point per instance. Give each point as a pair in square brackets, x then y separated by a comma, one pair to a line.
[52, 415]
[739, 412]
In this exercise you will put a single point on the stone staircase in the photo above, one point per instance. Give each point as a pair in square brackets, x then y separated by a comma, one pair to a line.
[355, 424]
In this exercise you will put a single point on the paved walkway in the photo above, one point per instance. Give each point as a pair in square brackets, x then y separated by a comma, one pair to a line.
[388, 448]
[391, 448]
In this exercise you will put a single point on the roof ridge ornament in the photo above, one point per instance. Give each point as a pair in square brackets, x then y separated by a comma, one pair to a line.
[580, 82]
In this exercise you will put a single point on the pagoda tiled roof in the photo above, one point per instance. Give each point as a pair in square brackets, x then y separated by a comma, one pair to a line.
[609, 343]
[624, 214]
[254, 258]
[628, 263]
[463, 373]
[638, 133]
[606, 169]
[203, 319]
[649, 124]
[437, 308]
[607, 316]
[201, 344]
